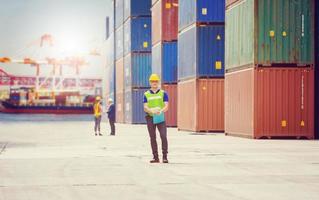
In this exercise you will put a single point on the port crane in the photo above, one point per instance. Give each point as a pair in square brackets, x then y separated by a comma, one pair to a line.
[56, 77]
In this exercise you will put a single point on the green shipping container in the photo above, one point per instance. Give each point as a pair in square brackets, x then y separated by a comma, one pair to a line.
[268, 32]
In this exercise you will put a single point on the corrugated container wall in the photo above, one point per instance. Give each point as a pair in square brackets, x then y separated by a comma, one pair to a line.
[119, 45]
[137, 69]
[201, 11]
[164, 61]
[201, 52]
[270, 32]
[119, 13]
[136, 8]
[201, 105]
[120, 107]
[138, 35]
[165, 21]
[119, 70]
[109, 79]
[134, 107]
[171, 114]
[239, 31]
[270, 102]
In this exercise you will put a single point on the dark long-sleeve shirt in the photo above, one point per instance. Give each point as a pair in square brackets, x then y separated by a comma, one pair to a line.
[111, 112]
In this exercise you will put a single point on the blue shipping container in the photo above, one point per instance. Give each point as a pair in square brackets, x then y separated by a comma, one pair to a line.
[134, 109]
[138, 35]
[137, 69]
[202, 11]
[119, 13]
[136, 8]
[201, 52]
[164, 61]
[119, 43]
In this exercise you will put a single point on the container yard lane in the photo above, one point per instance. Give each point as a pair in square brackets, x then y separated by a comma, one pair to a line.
[59, 158]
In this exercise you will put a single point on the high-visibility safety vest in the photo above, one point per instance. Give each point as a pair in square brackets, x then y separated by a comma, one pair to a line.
[97, 110]
[155, 100]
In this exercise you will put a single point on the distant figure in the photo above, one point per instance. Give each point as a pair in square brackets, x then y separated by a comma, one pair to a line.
[155, 105]
[111, 116]
[97, 115]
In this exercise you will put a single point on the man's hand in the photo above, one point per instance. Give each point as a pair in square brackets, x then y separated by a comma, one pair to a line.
[157, 112]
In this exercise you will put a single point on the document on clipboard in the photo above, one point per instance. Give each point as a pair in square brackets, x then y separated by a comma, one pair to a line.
[157, 119]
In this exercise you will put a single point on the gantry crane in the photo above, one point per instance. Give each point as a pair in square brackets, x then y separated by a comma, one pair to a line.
[57, 64]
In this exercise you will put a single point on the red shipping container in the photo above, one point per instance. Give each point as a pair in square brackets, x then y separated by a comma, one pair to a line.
[119, 70]
[270, 103]
[164, 21]
[120, 107]
[201, 105]
[171, 114]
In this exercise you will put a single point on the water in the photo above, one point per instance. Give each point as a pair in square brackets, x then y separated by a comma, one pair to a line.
[43, 117]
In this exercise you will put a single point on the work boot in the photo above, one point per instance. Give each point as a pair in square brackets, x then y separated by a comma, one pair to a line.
[100, 134]
[95, 134]
[165, 159]
[155, 160]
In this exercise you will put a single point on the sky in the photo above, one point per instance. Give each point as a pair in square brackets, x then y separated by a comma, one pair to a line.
[77, 27]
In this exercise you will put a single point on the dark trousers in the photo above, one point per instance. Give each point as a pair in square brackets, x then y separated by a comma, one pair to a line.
[152, 132]
[112, 125]
[97, 126]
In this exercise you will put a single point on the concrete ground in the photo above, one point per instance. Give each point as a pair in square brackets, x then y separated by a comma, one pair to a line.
[63, 160]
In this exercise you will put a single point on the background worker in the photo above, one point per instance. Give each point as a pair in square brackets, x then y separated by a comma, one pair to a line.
[156, 104]
[97, 109]
[111, 115]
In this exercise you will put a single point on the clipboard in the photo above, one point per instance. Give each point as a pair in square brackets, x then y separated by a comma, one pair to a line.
[157, 119]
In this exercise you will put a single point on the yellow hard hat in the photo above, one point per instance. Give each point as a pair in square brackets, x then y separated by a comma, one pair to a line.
[154, 77]
[98, 98]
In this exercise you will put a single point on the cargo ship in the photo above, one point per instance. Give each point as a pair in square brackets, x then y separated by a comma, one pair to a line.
[26, 100]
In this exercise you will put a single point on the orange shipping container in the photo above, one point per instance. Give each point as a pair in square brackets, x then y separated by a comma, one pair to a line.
[270, 103]
[119, 70]
[201, 105]
[171, 114]
[120, 107]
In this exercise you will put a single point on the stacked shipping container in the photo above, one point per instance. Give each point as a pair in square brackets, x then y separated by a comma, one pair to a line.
[201, 65]
[119, 60]
[269, 68]
[109, 79]
[110, 58]
[137, 58]
[164, 51]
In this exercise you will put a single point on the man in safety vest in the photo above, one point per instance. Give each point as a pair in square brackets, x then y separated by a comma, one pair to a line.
[155, 105]
[97, 109]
